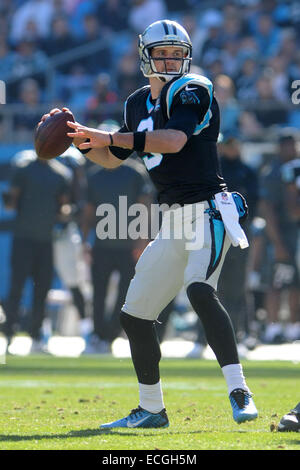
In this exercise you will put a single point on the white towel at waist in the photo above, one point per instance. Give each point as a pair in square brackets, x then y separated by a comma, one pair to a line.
[230, 216]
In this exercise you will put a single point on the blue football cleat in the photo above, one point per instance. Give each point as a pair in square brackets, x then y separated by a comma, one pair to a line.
[243, 407]
[140, 418]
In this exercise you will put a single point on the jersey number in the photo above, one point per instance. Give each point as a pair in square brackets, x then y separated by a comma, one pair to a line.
[151, 160]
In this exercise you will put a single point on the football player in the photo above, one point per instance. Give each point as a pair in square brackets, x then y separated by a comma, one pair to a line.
[173, 125]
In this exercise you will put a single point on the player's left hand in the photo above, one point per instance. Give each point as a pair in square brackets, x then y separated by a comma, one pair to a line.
[97, 139]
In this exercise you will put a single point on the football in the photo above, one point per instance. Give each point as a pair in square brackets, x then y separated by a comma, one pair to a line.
[50, 137]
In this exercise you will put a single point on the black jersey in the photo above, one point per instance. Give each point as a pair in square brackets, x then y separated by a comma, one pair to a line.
[193, 174]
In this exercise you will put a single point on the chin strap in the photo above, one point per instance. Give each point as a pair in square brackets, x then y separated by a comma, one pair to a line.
[167, 78]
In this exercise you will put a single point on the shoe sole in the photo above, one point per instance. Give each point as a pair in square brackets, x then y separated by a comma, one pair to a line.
[244, 418]
[137, 427]
[282, 428]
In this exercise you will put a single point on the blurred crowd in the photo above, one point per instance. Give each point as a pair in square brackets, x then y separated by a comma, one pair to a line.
[249, 48]
[259, 286]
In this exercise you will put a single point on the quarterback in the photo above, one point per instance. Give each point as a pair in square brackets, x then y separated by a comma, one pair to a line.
[173, 125]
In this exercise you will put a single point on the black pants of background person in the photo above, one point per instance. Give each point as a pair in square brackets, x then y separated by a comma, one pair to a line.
[162, 323]
[232, 291]
[29, 258]
[105, 261]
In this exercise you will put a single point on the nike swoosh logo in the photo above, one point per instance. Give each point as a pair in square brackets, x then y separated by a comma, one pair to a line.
[136, 423]
[189, 89]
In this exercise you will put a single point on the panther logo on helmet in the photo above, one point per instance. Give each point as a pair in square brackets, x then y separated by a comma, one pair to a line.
[164, 33]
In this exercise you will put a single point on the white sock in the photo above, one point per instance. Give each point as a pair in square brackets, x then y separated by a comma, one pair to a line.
[151, 397]
[234, 377]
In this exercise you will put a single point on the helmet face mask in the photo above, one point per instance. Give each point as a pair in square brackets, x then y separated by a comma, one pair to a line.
[164, 33]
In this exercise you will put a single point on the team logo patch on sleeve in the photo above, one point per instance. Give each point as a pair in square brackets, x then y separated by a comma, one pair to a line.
[189, 97]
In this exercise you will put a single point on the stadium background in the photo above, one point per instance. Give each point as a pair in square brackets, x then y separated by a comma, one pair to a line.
[82, 54]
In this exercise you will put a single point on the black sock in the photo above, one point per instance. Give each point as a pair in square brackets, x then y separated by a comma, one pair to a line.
[144, 346]
[78, 301]
[216, 322]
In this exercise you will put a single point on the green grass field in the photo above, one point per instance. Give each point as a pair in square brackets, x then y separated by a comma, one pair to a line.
[58, 403]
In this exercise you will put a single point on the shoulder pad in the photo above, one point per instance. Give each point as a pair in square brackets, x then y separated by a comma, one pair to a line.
[190, 80]
[60, 169]
[24, 158]
[290, 170]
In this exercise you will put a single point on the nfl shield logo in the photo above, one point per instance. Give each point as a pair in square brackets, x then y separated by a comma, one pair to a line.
[224, 197]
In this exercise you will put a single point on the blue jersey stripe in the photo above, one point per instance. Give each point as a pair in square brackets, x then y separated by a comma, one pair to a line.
[219, 231]
[149, 105]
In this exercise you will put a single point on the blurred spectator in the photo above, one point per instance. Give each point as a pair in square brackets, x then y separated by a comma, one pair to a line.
[24, 123]
[238, 175]
[258, 273]
[282, 14]
[288, 48]
[113, 15]
[229, 107]
[179, 5]
[92, 31]
[290, 173]
[59, 8]
[39, 12]
[231, 10]
[60, 39]
[38, 188]
[211, 18]
[128, 77]
[4, 30]
[232, 28]
[243, 43]
[282, 231]
[246, 80]
[214, 68]
[242, 178]
[7, 60]
[7, 8]
[197, 35]
[267, 35]
[248, 49]
[294, 70]
[230, 57]
[249, 127]
[280, 80]
[29, 60]
[82, 8]
[103, 94]
[144, 12]
[75, 88]
[213, 41]
[31, 32]
[68, 252]
[268, 110]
